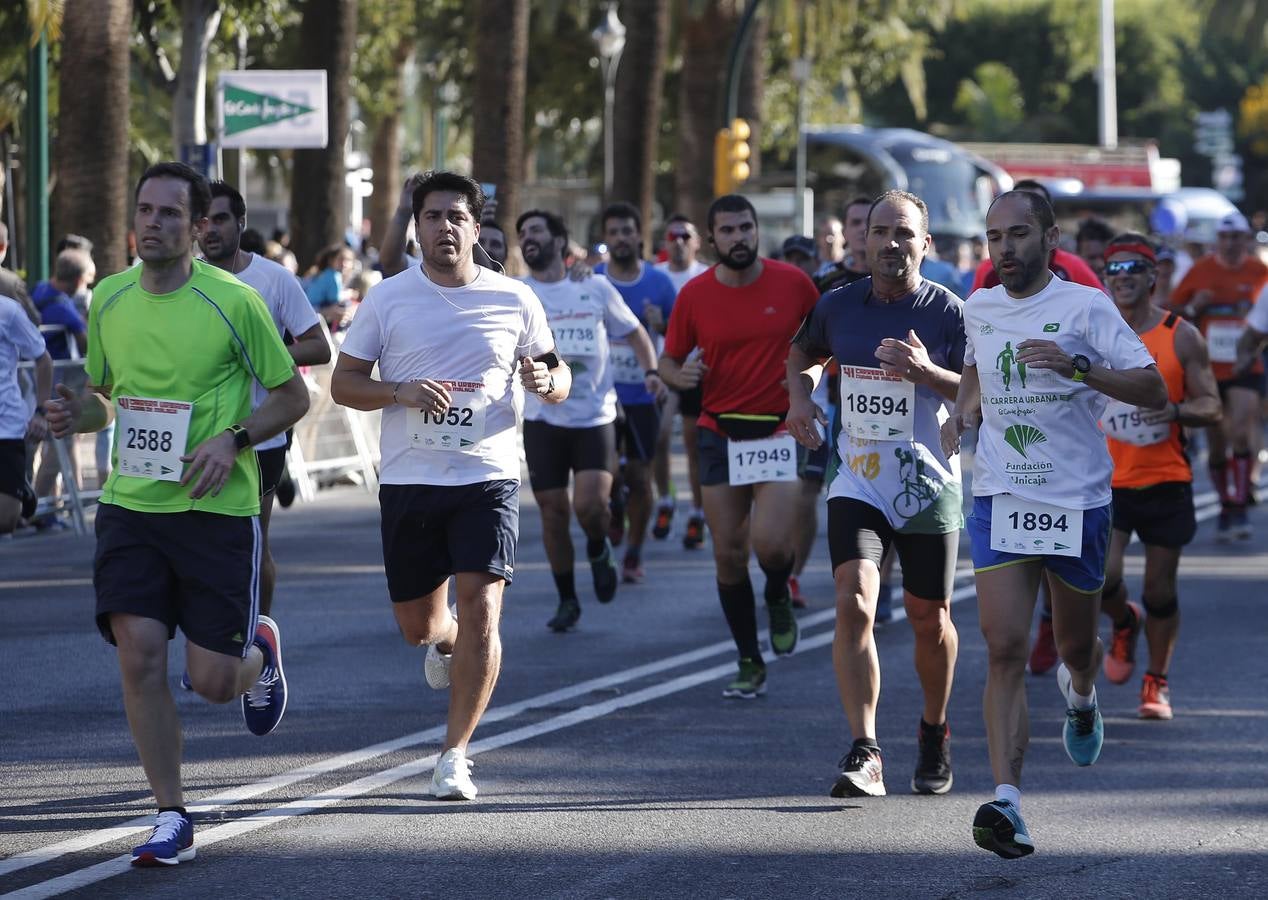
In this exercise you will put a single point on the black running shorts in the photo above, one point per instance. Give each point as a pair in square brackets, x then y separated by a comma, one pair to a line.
[12, 466]
[1251, 381]
[689, 403]
[1162, 514]
[637, 428]
[433, 531]
[196, 570]
[553, 452]
[858, 530]
[272, 464]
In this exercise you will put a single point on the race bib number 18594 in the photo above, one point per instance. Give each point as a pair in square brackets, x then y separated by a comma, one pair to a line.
[876, 405]
[150, 437]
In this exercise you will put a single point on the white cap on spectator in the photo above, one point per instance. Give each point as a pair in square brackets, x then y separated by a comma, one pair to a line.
[1234, 221]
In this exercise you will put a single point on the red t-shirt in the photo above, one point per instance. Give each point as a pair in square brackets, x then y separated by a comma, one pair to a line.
[1065, 265]
[743, 334]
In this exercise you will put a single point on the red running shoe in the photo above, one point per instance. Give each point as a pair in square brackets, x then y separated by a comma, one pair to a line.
[1043, 656]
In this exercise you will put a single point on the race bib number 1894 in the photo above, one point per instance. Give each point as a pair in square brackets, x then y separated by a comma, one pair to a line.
[150, 437]
[1041, 529]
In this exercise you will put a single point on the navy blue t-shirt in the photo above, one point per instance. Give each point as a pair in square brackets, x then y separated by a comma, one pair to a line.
[57, 308]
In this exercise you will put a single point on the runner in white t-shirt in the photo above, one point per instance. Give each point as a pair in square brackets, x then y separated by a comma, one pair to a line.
[455, 344]
[292, 314]
[19, 339]
[576, 437]
[1043, 357]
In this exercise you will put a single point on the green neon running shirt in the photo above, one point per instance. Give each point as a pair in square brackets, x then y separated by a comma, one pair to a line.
[204, 343]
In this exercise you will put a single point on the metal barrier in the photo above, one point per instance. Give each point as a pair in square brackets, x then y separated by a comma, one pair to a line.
[330, 442]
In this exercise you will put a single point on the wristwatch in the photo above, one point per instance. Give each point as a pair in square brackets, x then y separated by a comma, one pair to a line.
[241, 440]
[1082, 365]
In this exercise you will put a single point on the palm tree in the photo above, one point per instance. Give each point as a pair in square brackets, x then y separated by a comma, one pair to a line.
[636, 117]
[93, 196]
[501, 48]
[327, 34]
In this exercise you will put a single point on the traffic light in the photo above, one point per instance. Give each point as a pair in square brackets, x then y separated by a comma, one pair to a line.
[731, 153]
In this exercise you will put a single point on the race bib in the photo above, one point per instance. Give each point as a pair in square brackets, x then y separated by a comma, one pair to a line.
[767, 459]
[150, 437]
[1027, 527]
[876, 405]
[458, 428]
[576, 333]
[1222, 338]
[1124, 422]
[625, 367]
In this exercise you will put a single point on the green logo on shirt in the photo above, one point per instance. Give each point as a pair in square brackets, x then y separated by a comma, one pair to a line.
[1052, 327]
[1019, 437]
[1007, 361]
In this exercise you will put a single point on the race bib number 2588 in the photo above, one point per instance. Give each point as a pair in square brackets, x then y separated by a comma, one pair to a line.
[150, 437]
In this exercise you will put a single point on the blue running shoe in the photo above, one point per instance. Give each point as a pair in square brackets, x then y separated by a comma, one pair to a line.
[171, 842]
[1084, 731]
[998, 827]
[265, 703]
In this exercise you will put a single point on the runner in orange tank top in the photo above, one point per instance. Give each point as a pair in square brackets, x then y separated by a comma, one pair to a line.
[1153, 491]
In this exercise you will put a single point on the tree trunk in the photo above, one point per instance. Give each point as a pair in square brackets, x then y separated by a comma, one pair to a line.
[318, 210]
[501, 46]
[93, 190]
[706, 44]
[385, 160]
[638, 104]
[753, 89]
[199, 21]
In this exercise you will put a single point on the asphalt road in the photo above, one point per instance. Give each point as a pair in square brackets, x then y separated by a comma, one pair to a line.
[609, 765]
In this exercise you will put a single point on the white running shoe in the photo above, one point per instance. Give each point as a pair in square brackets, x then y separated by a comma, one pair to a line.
[452, 778]
[436, 667]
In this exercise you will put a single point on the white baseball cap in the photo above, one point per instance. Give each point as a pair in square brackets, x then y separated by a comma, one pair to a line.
[1234, 221]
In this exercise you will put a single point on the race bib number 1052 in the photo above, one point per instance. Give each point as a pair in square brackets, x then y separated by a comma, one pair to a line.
[458, 428]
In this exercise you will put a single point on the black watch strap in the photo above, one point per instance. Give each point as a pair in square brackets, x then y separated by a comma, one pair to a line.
[241, 440]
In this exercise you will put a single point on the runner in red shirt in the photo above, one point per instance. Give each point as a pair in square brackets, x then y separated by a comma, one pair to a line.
[729, 333]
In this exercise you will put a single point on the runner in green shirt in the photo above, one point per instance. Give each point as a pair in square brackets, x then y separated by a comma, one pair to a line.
[174, 346]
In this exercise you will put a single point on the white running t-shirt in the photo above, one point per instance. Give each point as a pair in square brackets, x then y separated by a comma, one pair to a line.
[473, 336]
[290, 309]
[1040, 438]
[681, 277]
[583, 315]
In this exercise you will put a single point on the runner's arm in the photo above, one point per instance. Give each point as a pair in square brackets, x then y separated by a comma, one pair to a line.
[392, 253]
[547, 376]
[312, 348]
[283, 407]
[1142, 386]
[967, 412]
[645, 352]
[803, 374]
[68, 413]
[1201, 405]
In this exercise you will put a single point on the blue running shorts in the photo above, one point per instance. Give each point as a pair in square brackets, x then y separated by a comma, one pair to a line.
[1085, 573]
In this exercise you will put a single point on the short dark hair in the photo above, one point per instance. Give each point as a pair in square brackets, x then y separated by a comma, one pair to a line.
[237, 205]
[1039, 206]
[1034, 187]
[857, 200]
[71, 265]
[554, 225]
[199, 190]
[621, 210]
[732, 203]
[252, 241]
[896, 196]
[74, 242]
[449, 181]
[1093, 230]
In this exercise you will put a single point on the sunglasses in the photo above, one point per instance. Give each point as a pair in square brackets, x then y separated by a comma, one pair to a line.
[1127, 267]
[678, 236]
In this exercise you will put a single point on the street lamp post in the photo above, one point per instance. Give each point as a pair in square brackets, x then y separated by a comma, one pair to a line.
[609, 37]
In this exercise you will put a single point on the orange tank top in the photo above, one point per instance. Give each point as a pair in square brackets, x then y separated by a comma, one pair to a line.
[1142, 466]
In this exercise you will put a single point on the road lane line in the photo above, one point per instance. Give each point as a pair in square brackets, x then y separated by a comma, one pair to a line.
[140, 825]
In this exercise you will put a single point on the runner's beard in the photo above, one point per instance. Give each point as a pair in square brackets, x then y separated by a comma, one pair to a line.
[226, 252]
[539, 263]
[1027, 272]
[739, 257]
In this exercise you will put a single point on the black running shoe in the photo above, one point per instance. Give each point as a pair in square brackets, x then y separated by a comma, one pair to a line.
[861, 774]
[605, 574]
[933, 768]
[566, 616]
[998, 827]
